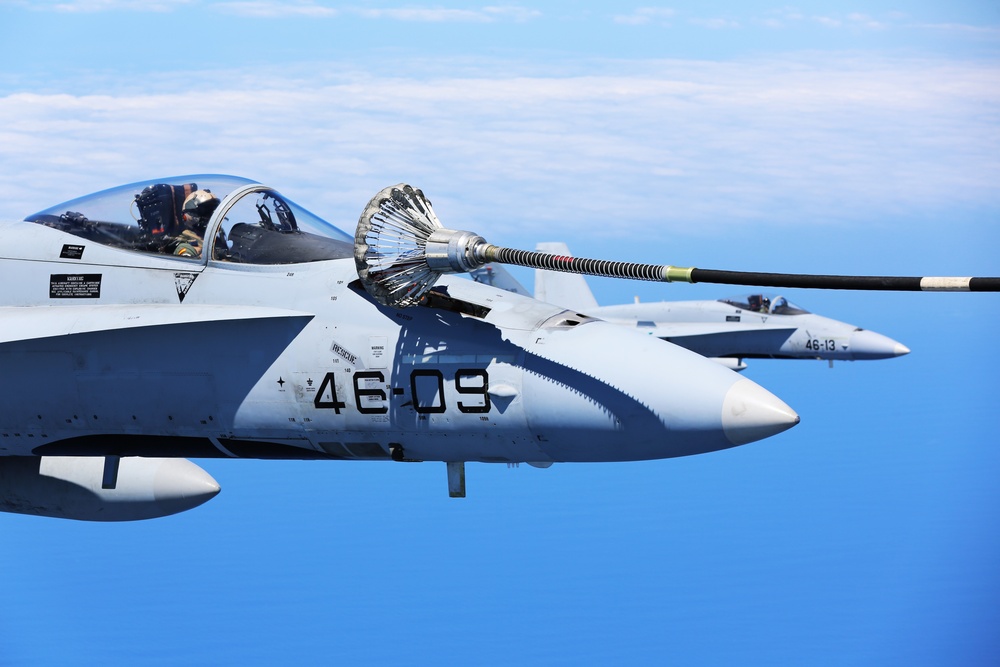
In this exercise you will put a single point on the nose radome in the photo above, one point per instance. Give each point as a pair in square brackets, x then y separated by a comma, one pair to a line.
[870, 345]
[750, 412]
[656, 400]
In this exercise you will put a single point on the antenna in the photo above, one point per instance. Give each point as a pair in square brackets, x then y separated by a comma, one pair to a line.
[401, 249]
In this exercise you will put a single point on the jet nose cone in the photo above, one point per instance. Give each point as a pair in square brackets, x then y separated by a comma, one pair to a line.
[871, 345]
[656, 400]
[750, 412]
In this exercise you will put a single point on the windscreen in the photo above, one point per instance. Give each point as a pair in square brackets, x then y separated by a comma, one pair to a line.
[765, 303]
[177, 216]
[263, 227]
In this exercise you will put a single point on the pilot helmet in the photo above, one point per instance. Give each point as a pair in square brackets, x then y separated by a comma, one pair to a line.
[199, 205]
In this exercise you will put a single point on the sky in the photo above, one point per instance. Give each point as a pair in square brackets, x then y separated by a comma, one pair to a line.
[824, 137]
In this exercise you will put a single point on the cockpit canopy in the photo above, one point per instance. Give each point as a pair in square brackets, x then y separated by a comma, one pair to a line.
[765, 303]
[225, 218]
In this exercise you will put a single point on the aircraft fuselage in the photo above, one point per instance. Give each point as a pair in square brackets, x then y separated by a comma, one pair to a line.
[720, 329]
[174, 359]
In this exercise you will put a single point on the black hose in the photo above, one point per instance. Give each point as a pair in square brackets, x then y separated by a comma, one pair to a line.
[667, 273]
[593, 267]
[807, 281]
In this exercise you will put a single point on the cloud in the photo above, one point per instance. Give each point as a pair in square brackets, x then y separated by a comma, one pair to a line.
[789, 18]
[961, 28]
[715, 23]
[646, 15]
[858, 21]
[275, 9]
[96, 6]
[828, 21]
[775, 19]
[513, 13]
[446, 15]
[297, 8]
[651, 147]
[864, 21]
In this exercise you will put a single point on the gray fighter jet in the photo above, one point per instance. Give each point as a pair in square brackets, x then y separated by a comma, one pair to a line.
[209, 316]
[727, 330]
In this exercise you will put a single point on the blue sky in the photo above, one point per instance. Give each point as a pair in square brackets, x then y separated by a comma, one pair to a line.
[821, 137]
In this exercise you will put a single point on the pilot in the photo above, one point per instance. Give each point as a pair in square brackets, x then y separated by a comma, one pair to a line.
[198, 208]
[765, 304]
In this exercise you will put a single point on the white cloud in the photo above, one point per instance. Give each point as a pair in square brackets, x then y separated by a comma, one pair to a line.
[95, 6]
[297, 8]
[775, 19]
[864, 21]
[716, 23]
[654, 147]
[275, 9]
[425, 14]
[447, 15]
[513, 13]
[961, 28]
[645, 15]
[859, 21]
[771, 23]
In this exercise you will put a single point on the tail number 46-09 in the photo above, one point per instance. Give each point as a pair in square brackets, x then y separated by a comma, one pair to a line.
[427, 392]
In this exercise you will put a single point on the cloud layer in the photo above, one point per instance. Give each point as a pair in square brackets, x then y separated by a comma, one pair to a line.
[655, 145]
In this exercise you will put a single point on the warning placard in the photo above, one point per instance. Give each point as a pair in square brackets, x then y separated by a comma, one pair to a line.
[75, 286]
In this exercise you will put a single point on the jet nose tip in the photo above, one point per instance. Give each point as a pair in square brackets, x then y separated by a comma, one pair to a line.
[870, 345]
[750, 412]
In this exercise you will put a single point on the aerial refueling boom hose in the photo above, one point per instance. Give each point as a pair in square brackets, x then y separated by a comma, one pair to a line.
[668, 273]
[401, 249]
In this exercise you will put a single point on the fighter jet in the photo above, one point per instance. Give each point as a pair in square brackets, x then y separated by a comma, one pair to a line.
[729, 330]
[209, 316]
